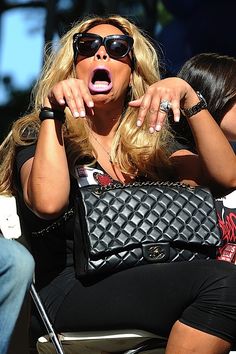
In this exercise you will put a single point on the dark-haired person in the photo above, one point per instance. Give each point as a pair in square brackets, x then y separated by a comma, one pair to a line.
[214, 75]
[97, 113]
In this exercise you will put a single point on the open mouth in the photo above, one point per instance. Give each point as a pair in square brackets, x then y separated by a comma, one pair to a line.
[100, 81]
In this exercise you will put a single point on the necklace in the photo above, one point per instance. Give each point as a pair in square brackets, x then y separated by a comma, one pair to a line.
[105, 150]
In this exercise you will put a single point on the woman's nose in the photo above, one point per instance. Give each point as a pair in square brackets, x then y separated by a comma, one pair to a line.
[101, 54]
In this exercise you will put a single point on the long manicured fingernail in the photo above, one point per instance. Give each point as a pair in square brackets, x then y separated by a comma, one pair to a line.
[82, 114]
[158, 127]
[76, 114]
[151, 130]
[177, 119]
[61, 101]
[91, 104]
[139, 123]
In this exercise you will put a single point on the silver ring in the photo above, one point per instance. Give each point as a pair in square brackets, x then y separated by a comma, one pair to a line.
[165, 106]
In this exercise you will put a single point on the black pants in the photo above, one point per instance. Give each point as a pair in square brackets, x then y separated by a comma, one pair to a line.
[201, 294]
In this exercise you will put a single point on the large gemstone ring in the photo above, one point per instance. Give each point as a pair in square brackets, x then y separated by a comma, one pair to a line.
[165, 106]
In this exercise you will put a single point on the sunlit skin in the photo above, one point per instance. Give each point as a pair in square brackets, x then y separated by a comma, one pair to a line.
[119, 69]
[228, 124]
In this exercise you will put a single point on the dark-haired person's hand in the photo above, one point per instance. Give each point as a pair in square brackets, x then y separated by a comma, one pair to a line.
[71, 93]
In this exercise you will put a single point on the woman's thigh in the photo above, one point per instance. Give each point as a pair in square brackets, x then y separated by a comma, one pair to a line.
[150, 297]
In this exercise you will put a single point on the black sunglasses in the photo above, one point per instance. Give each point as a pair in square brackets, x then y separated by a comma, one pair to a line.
[87, 44]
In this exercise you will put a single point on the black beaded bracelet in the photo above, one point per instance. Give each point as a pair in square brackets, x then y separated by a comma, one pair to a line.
[49, 113]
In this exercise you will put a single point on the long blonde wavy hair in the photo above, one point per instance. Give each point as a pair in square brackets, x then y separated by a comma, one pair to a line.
[134, 149]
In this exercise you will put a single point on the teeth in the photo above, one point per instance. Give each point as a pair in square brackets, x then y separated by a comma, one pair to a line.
[101, 84]
[98, 86]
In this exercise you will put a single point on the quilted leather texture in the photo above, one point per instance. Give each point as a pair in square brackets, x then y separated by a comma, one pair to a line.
[120, 220]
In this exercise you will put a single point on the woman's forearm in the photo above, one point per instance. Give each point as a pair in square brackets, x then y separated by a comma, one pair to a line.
[49, 182]
[217, 156]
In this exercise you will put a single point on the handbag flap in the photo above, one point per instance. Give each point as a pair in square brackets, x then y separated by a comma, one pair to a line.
[123, 217]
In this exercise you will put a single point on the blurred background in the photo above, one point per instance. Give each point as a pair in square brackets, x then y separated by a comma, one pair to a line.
[180, 28]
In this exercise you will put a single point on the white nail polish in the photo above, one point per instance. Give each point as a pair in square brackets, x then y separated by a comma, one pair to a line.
[76, 114]
[139, 123]
[151, 130]
[158, 127]
[82, 114]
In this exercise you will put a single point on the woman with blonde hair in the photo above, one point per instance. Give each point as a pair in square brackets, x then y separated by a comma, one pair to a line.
[98, 117]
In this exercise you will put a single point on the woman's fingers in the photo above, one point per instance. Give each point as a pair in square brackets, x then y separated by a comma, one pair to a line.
[158, 100]
[74, 94]
[149, 108]
[75, 105]
[55, 98]
[175, 106]
[136, 103]
[144, 109]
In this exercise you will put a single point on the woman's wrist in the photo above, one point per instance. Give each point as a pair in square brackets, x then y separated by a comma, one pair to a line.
[50, 113]
[195, 107]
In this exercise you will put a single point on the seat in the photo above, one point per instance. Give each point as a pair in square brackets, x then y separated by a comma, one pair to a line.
[126, 342]
[94, 342]
[131, 341]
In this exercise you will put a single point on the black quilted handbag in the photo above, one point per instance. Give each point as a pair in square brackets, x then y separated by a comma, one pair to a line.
[121, 226]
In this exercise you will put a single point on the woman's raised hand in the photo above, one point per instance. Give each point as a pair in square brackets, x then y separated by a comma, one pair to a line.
[171, 93]
[71, 93]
